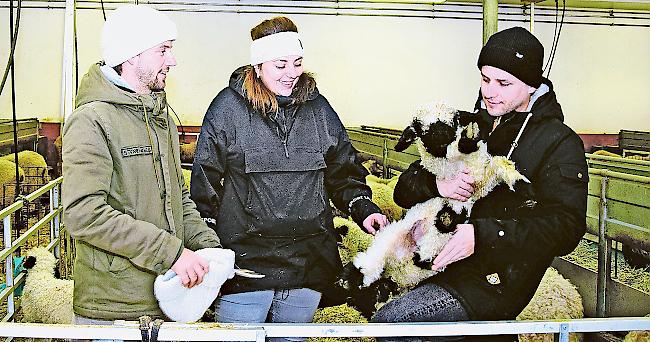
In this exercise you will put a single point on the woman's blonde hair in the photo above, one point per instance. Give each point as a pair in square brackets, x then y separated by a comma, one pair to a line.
[257, 93]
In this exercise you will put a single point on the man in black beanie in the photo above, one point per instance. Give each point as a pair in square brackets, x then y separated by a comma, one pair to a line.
[494, 262]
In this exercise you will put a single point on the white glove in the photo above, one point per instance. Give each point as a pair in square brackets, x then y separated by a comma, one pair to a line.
[188, 305]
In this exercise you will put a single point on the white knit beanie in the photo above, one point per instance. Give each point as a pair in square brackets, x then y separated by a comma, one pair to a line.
[132, 29]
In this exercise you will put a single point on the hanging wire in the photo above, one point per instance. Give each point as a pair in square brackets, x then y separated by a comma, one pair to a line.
[14, 39]
[13, 35]
[559, 32]
[76, 50]
[179, 122]
[103, 10]
[557, 12]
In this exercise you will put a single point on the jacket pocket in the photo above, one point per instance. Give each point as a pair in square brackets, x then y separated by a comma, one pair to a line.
[574, 172]
[286, 195]
[117, 263]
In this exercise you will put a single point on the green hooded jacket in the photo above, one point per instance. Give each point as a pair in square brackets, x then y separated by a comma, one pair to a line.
[124, 199]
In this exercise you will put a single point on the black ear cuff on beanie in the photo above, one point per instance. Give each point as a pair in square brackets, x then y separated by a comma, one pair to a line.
[516, 51]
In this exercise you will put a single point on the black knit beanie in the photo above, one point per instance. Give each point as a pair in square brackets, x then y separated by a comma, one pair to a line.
[516, 51]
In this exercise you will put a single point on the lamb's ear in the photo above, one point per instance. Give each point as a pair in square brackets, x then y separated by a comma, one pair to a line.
[408, 135]
[407, 138]
[29, 262]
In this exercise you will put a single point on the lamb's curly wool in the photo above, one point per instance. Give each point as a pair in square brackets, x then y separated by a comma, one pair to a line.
[396, 241]
[339, 314]
[555, 298]
[45, 299]
[382, 195]
[638, 335]
[34, 166]
[354, 239]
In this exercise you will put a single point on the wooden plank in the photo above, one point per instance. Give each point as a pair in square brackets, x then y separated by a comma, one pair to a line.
[634, 140]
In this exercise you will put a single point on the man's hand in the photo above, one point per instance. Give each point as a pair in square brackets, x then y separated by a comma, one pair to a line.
[459, 188]
[191, 268]
[460, 246]
[374, 222]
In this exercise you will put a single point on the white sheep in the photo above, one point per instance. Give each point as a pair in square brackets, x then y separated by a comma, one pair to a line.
[45, 299]
[555, 298]
[448, 141]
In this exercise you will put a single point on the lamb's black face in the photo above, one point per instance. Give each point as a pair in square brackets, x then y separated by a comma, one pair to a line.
[437, 138]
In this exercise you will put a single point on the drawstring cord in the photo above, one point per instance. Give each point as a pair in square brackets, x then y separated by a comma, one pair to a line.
[153, 150]
[521, 131]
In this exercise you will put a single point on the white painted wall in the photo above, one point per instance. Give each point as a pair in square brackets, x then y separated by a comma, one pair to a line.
[373, 70]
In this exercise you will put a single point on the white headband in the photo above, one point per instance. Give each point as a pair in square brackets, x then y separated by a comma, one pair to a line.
[275, 46]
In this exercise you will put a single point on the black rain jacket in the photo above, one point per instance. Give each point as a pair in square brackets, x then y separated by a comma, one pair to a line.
[265, 184]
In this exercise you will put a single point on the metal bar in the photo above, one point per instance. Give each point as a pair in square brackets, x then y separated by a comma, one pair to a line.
[128, 330]
[564, 332]
[45, 188]
[604, 249]
[384, 160]
[9, 290]
[619, 175]
[490, 18]
[57, 219]
[618, 159]
[67, 66]
[532, 17]
[33, 229]
[9, 269]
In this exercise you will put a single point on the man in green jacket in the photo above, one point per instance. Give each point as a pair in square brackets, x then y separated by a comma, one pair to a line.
[123, 192]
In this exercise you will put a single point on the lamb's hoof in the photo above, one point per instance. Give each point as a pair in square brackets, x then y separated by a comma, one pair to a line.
[423, 264]
[351, 278]
[447, 219]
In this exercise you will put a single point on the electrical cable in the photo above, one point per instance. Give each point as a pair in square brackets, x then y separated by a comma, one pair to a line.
[14, 39]
[179, 122]
[103, 10]
[76, 49]
[559, 32]
[557, 11]
[10, 68]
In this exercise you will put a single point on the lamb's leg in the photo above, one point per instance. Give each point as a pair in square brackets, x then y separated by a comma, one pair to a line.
[389, 242]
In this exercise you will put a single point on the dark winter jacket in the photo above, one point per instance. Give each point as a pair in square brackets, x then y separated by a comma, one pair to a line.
[517, 234]
[265, 184]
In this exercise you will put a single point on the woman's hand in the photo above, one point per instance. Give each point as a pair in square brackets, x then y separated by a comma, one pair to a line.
[459, 188]
[460, 246]
[374, 222]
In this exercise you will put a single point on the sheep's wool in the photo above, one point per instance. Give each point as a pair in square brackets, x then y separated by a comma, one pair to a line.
[46, 299]
[555, 298]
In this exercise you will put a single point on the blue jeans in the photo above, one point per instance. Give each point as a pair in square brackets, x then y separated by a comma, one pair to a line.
[426, 303]
[268, 306]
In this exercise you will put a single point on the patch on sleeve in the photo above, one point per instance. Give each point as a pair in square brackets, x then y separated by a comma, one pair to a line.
[135, 151]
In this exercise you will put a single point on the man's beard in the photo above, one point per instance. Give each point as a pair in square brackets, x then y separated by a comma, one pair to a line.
[150, 79]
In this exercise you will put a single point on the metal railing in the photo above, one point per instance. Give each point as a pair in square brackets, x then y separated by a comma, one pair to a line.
[51, 220]
[129, 330]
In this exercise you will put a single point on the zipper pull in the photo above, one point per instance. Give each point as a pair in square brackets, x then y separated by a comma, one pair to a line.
[286, 152]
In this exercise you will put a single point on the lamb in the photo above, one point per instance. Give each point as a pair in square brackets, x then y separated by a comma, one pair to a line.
[448, 141]
[45, 299]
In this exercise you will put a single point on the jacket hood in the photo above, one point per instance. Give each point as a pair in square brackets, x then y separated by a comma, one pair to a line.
[544, 105]
[94, 86]
[301, 92]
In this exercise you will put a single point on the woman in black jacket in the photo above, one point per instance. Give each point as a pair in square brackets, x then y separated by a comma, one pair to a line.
[494, 263]
[271, 155]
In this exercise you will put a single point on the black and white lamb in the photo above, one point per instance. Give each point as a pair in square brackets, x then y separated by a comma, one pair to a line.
[45, 298]
[448, 141]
